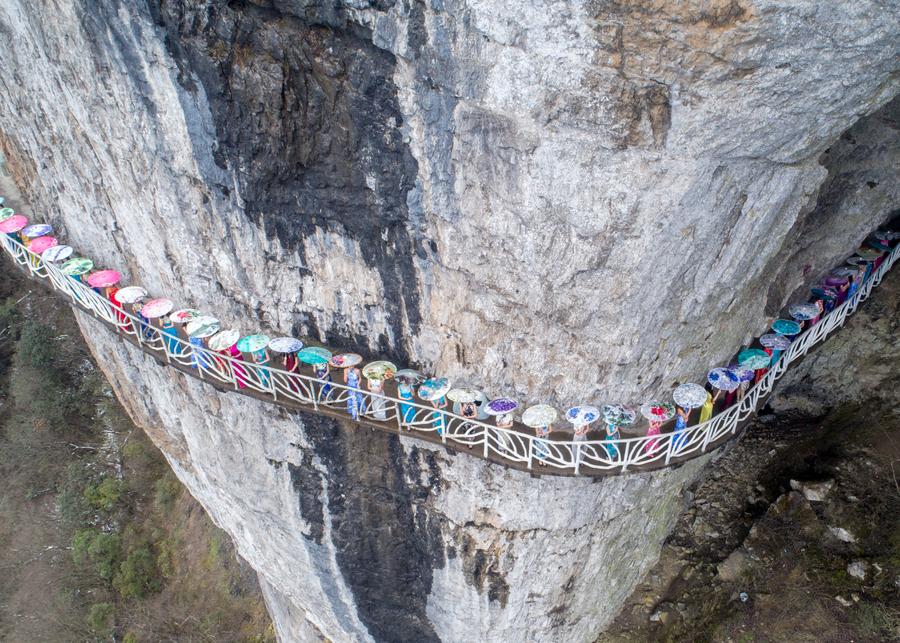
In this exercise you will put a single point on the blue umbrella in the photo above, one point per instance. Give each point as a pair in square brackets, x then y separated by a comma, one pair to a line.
[786, 327]
[723, 379]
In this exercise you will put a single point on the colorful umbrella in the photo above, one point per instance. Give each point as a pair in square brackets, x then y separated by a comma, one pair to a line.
[858, 261]
[223, 340]
[824, 294]
[434, 388]
[580, 415]
[803, 311]
[754, 358]
[658, 411]
[36, 230]
[744, 374]
[689, 396]
[618, 415]
[186, 315]
[501, 406]
[201, 327]
[6, 213]
[380, 370]
[845, 271]
[57, 253]
[775, 341]
[130, 294]
[539, 416]
[878, 244]
[13, 224]
[37, 246]
[869, 253]
[253, 343]
[314, 355]
[157, 308]
[77, 266]
[722, 378]
[409, 376]
[786, 327]
[835, 282]
[345, 360]
[103, 278]
[463, 395]
[285, 345]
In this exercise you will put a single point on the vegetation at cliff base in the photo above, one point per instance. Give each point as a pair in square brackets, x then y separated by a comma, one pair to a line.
[98, 539]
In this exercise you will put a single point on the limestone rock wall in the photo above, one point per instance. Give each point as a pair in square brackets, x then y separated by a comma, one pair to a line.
[493, 190]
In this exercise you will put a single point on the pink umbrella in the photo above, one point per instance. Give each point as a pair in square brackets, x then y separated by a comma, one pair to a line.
[13, 224]
[157, 308]
[104, 279]
[40, 244]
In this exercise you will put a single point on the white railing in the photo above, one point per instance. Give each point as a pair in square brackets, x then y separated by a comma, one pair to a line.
[508, 446]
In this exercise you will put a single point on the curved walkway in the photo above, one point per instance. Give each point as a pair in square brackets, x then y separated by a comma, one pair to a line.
[517, 447]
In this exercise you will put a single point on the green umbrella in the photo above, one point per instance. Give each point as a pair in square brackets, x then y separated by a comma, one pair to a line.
[252, 343]
[314, 355]
[77, 266]
[754, 358]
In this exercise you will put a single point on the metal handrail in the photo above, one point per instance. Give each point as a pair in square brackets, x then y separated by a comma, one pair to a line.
[567, 457]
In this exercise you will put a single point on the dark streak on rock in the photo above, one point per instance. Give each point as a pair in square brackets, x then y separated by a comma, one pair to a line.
[308, 122]
[388, 542]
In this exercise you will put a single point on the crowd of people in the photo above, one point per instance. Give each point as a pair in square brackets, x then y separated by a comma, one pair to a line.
[252, 356]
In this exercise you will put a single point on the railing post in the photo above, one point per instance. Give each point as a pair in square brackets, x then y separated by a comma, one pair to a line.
[576, 452]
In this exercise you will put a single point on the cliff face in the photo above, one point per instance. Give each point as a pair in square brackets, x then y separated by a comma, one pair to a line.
[491, 190]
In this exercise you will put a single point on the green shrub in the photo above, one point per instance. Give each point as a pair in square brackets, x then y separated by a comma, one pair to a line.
[130, 637]
[167, 490]
[36, 344]
[137, 576]
[100, 618]
[105, 494]
[9, 315]
[73, 508]
[101, 550]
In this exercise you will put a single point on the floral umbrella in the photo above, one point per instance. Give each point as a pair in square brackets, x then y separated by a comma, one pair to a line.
[380, 370]
[878, 244]
[37, 246]
[408, 376]
[581, 415]
[775, 341]
[103, 278]
[463, 395]
[157, 308]
[202, 327]
[803, 312]
[36, 230]
[869, 253]
[618, 415]
[744, 374]
[825, 294]
[539, 416]
[689, 396]
[186, 315]
[754, 358]
[845, 271]
[835, 282]
[285, 345]
[314, 355]
[656, 411]
[224, 339]
[434, 388]
[723, 379]
[77, 266]
[252, 343]
[501, 406]
[858, 261]
[130, 294]
[13, 224]
[346, 360]
[57, 253]
[786, 327]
